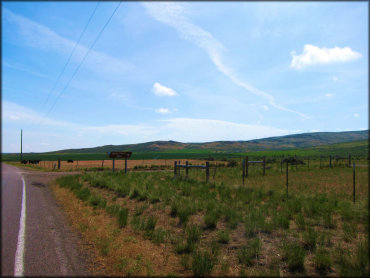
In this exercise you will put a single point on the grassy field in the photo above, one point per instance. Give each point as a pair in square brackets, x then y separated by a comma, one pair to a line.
[148, 223]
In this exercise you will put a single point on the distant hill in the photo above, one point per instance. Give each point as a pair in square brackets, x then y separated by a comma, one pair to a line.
[272, 143]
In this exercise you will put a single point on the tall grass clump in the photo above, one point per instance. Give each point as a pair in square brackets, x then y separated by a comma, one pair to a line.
[122, 217]
[322, 261]
[310, 238]
[247, 254]
[202, 264]
[294, 255]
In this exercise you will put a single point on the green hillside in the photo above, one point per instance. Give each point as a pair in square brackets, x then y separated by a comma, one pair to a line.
[273, 143]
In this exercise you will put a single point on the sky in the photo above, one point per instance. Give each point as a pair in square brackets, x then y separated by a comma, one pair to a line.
[87, 74]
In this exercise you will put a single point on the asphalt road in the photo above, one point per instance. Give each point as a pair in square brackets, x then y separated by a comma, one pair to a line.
[49, 246]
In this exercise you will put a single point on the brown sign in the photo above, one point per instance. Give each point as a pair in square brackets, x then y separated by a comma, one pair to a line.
[120, 154]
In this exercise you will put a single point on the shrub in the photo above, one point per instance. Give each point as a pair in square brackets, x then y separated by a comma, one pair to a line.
[202, 264]
[122, 217]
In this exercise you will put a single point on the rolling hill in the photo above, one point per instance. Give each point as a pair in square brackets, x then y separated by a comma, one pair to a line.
[288, 142]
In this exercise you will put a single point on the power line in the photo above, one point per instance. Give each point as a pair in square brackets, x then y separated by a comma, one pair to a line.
[68, 60]
[83, 59]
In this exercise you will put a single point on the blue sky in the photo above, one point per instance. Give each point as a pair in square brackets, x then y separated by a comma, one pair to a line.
[183, 71]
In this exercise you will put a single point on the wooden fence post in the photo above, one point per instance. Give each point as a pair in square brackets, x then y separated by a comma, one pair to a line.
[281, 165]
[207, 171]
[102, 163]
[247, 167]
[174, 169]
[330, 161]
[264, 165]
[113, 165]
[186, 169]
[354, 182]
[125, 165]
[287, 179]
[320, 161]
[296, 162]
[349, 160]
[243, 169]
[58, 163]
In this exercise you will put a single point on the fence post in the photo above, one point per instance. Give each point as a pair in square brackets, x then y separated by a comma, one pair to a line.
[243, 169]
[186, 169]
[354, 182]
[247, 167]
[174, 169]
[308, 162]
[281, 165]
[349, 160]
[296, 162]
[125, 165]
[320, 161]
[264, 165]
[102, 163]
[330, 161]
[207, 171]
[287, 179]
[58, 163]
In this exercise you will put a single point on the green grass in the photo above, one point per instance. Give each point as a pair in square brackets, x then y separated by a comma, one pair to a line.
[203, 218]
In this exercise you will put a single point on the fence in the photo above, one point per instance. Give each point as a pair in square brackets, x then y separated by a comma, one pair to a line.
[187, 166]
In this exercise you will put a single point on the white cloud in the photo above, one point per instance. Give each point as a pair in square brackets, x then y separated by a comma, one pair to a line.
[137, 130]
[329, 95]
[163, 111]
[174, 15]
[265, 107]
[313, 55]
[163, 91]
[356, 115]
[335, 78]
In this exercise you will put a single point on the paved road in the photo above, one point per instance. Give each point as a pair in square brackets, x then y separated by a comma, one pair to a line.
[49, 246]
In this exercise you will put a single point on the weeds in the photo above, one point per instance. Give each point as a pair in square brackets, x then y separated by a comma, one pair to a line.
[247, 254]
[122, 217]
[202, 264]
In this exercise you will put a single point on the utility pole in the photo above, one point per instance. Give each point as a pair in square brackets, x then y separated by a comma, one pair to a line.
[21, 146]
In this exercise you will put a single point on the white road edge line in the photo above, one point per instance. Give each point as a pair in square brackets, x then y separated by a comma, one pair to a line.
[19, 254]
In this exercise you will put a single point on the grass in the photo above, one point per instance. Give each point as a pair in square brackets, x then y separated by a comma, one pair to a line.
[227, 221]
[248, 254]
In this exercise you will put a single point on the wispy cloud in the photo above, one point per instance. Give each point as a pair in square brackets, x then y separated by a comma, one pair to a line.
[206, 130]
[36, 35]
[163, 91]
[163, 111]
[19, 67]
[15, 113]
[329, 95]
[314, 55]
[356, 115]
[175, 15]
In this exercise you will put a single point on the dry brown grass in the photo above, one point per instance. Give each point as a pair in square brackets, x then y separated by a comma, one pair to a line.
[128, 252]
